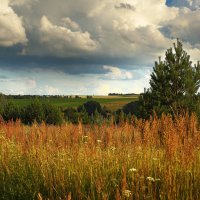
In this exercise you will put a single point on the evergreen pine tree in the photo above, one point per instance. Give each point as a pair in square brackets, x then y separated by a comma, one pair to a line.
[174, 83]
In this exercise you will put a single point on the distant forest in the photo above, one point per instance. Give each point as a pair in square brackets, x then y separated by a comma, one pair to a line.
[121, 94]
[41, 96]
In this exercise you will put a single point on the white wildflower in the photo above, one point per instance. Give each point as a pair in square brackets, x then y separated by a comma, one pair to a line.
[132, 170]
[99, 141]
[150, 179]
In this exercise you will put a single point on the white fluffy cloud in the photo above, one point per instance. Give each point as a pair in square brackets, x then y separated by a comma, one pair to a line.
[130, 29]
[139, 15]
[117, 73]
[68, 23]
[63, 41]
[12, 31]
[194, 52]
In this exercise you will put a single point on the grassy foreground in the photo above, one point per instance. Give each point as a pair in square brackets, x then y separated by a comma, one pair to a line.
[156, 159]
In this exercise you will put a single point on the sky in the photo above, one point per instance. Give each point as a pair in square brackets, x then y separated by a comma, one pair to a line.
[90, 47]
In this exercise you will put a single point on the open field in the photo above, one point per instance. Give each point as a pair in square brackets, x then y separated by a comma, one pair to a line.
[111, 102]
[156, 159]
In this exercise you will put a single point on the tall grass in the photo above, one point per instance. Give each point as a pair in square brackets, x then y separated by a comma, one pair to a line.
[155, 159]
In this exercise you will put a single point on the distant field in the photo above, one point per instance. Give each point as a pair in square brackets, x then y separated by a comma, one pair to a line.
[111, 102]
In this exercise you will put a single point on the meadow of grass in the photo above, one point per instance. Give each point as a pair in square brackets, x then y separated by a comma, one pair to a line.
[154, 159]
[111, 102]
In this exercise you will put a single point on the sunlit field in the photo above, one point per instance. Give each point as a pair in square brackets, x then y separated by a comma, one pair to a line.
[155, 159]
[111, 102]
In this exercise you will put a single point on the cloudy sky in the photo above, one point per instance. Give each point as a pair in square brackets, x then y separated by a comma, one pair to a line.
[90, 46]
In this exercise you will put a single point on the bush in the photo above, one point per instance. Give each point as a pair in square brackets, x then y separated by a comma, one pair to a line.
[33, 112]
[132, 108]
[10, 111]
[92, 112]
[90, 107]
[71, 115]
[52, 114]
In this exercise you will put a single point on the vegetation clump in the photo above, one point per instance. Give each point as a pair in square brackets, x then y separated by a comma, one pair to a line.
[36, 111]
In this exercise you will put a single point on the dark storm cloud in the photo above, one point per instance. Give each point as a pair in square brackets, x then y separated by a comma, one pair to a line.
[74, 66]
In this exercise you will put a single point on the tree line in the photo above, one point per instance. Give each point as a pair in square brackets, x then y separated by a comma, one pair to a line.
[43, 96]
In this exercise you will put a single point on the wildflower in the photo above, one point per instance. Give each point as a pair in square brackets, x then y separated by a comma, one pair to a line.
[157, 179]
[132, 170]
[150, 179]
[127, 193]
[155, 159]
[99, 141]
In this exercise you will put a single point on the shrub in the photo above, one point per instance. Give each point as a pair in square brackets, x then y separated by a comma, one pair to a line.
[33, 112]
[10, 111]
[132, 108]
[71, 115]
[90, 107]
[52, 114]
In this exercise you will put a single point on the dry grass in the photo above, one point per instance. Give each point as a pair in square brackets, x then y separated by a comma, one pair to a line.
[155, 159]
